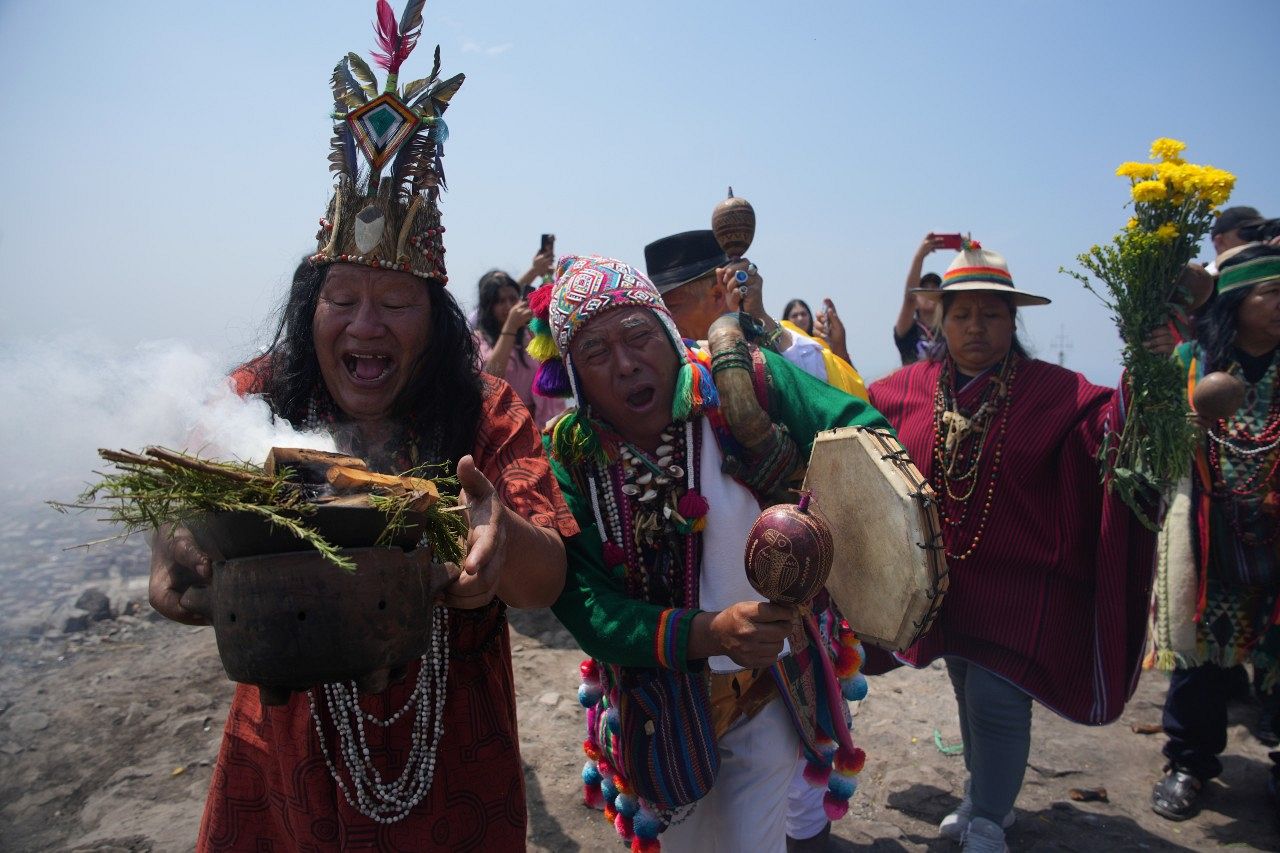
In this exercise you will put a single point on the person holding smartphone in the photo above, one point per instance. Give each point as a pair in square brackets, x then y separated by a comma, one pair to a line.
[501, 332]
[913, 332]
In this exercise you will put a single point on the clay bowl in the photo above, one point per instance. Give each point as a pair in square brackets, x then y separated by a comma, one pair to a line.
[231, 535]
[286, 619]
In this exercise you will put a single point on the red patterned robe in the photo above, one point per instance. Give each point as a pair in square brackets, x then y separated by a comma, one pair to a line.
[1055, 596]
[271, 790]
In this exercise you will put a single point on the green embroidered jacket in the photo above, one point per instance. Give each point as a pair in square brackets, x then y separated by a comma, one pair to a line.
[594, 606]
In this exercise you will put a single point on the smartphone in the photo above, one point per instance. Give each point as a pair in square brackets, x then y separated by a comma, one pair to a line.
[548, 244]
[951, 241]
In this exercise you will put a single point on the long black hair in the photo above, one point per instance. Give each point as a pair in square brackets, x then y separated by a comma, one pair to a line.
[490, 287]
[1216, 321]
[938, 349]
[786, 313]
[444, 398]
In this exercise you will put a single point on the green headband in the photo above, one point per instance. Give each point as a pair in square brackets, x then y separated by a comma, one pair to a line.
[1249, 273]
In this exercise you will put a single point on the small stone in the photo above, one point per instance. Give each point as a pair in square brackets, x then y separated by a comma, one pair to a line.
[75, 624]
[549, 699]
[94, 602]
[27, 722]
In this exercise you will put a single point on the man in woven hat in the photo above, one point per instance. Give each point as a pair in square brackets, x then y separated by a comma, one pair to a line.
[696, 279]
[657, 594]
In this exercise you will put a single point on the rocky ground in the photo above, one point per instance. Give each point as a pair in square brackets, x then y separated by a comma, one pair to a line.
[109, 725]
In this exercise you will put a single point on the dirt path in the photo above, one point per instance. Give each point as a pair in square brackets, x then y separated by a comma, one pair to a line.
[106, 741]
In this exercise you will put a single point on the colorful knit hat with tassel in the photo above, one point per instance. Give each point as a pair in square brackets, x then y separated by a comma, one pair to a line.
[585, 287]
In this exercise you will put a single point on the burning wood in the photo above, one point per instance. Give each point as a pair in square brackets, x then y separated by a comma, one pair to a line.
[308, 466]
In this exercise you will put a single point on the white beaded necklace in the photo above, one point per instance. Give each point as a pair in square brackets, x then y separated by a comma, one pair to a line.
[389, 802]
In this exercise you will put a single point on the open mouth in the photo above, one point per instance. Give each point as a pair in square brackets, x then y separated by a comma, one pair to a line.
[641, 397]
[367, 368]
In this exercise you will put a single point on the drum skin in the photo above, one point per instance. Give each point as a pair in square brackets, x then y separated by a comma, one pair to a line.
[889, 573]
[788, 555]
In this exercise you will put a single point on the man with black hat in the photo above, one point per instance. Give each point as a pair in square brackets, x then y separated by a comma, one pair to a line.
[1225, 233]
[694, 276]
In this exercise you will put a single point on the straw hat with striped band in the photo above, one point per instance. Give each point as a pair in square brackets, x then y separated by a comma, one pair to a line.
[1261, 267]
[977, 269]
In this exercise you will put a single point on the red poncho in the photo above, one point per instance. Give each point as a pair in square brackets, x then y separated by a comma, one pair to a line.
[271, 790]
[1055, 596]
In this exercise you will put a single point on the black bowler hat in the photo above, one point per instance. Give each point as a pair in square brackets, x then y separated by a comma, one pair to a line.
[681, 258]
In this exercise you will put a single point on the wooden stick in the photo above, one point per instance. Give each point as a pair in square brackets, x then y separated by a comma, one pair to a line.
[189, 462]
[344, 478]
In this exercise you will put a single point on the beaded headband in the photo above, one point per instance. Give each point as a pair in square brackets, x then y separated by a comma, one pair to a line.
[1249, 273]
[585, 287]
[388, 221]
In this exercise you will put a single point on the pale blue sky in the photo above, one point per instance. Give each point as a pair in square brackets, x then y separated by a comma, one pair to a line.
[165, 162]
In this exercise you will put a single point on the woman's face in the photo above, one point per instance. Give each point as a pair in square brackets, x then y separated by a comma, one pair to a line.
[979, 330]
[800, 316]
[370, 329]
[507, 297]
[1258, 318]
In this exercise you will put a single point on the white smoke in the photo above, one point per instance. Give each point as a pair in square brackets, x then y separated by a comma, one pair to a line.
[62, 399]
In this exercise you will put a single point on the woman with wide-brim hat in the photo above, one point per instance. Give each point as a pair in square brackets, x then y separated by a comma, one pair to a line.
[1218, 585]
[1049, 572]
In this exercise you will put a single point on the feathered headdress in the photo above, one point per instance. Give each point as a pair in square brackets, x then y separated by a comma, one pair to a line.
[388, 221]
[583, 288]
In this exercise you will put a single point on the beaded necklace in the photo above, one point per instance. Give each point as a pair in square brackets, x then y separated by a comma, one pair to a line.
[390, 801]
[647, 511]
[1243, 462]
[959, 443]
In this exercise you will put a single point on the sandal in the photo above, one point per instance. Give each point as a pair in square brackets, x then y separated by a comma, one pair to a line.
[1175, 796]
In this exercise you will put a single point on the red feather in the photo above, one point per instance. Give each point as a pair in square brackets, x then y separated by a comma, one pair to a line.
[394, 45]
[388, 33]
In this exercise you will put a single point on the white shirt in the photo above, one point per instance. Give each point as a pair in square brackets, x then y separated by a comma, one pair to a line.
[722, 580]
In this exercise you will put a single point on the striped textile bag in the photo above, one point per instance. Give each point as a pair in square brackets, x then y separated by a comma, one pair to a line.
[666, 737]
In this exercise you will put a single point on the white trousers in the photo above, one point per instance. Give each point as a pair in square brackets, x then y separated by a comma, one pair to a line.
[806, 816]
[747, 806]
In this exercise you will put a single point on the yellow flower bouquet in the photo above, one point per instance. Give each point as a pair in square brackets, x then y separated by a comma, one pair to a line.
[1141, 281]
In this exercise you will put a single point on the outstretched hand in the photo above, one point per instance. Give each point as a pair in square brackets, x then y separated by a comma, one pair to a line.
[486, 541]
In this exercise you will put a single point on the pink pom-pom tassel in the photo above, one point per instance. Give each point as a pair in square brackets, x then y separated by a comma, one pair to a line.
[591, 796]
[835, 807]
